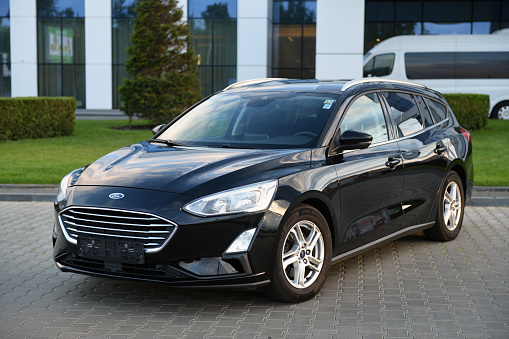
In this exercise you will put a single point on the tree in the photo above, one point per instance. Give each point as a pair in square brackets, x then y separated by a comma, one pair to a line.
[161, 63]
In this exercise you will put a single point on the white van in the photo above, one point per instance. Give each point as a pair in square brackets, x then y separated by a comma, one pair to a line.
[448, 64]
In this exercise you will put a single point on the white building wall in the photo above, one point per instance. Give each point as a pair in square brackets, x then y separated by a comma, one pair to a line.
[339, 39]
[98, 56]
[254, 36]
[23, 48]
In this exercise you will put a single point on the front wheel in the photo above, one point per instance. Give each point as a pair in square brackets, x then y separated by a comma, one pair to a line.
[302, 258]
[450, 210]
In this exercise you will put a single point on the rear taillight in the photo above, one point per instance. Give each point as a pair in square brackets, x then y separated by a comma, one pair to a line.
[466, 134]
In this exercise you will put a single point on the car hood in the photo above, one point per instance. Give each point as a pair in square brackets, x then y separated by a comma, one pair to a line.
[190, 170]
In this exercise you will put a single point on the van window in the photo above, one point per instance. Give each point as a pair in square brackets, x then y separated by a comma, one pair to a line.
[457, 65]
[379, 66]
[438, 110]
[424, 111]
[404, 113]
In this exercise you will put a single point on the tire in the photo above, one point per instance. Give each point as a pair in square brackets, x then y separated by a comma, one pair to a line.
[450, 210]
[501, 111]
[303, 257]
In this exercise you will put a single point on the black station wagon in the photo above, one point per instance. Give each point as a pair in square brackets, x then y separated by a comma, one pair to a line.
[266, 184]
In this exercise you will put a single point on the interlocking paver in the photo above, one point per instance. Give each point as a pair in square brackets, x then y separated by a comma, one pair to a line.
[411, 287]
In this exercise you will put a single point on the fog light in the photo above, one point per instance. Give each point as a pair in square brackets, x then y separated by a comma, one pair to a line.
[242, 242]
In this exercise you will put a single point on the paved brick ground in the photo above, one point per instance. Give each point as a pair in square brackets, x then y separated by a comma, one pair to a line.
[409, 288]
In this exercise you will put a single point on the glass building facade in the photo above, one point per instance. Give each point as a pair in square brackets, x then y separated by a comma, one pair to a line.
[5, 50]
[61, 49]
[213, 27]
[122, 26]
[387, 18]
[294, 39]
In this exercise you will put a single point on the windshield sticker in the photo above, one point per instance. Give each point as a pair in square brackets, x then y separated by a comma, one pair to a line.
[327, 104]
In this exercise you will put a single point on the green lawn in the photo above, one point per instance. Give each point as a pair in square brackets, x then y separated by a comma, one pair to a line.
[46, 161]
[491, 154]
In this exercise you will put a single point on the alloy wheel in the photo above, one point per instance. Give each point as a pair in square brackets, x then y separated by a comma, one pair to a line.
[452, 206]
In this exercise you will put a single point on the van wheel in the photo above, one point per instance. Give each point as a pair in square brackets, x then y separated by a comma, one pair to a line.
[501, 111]
[303, 257]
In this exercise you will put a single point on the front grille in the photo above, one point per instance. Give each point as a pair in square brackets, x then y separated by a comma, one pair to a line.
[150, 230]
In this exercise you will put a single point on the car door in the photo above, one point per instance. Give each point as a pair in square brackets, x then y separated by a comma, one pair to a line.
[371, 179]
[423, 149]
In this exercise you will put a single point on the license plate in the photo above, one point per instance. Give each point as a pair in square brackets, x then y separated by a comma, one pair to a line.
[111, 250]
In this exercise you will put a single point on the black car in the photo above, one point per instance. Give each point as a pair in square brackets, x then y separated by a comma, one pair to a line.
[267, 183]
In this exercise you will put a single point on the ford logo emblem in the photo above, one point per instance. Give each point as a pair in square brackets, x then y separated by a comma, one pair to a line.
[116, 195]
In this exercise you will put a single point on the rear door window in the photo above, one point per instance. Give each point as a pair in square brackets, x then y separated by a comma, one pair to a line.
[438, 110]
[424, 111]
[404, 113]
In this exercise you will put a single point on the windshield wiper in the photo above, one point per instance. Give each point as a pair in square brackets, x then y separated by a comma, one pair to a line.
[167, 142]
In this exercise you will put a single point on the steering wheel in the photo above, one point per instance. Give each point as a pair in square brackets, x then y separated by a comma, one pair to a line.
[307, 134]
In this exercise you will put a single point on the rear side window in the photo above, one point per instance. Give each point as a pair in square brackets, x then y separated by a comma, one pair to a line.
[438, 110]
[424, 111]
[404, 113]
[379, 66]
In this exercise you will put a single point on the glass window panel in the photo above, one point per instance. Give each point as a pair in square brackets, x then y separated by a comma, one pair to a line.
[482, 65]
[4, 7]
[73, 41]
[505, 11]
[408, 11]
[309, 47]
[121, 31]
[408, 28]
[487, 10]
[504, 24]
[49, 36]
[288, 46]
[201, 38]
[295, 12]
[212, 9]
[438, 110]
[74, 83]
[289, 73]
[224, 76]
[404, 113]
[379, 11]
[383, 64]
[5, 80]
[432, 65]
[205, 77]
[61, 8]
[50, 80]
[447, 11]
[376, 32]
[5, 40]
[225, 42]
[447, 27]
[482, 27]
[123, 8]
[424, 111]
[368, 68]
[366, 115]
[308, 73]
[119, 74]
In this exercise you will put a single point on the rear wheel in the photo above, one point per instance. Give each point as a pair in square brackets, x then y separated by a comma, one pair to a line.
[303, 256]
[450, 210]
[501, 111]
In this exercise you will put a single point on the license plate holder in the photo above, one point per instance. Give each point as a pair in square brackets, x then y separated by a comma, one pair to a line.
[121, 251]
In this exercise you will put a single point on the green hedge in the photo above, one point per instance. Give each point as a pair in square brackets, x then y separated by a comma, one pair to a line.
[32, 118]
[470, 109]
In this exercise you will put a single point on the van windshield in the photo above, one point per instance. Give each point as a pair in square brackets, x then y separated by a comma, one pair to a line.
[254, 120]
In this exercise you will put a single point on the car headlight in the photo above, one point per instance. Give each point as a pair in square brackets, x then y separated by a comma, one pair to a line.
[69, 180]
[250, 198]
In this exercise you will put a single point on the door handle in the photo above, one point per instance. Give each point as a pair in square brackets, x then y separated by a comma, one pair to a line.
[439, 149]
[392, 163]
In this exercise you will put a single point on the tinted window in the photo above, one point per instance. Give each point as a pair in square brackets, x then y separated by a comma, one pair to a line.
[380, 65]
[366, 115]
[438, 110]
[404, 113]
[430, 65]
[424, 111]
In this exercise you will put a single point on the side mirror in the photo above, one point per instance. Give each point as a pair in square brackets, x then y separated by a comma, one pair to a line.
[157, 129]
[352, 139]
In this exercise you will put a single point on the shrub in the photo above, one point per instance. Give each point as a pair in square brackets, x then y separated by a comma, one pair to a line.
[470, 109]
[32, 118]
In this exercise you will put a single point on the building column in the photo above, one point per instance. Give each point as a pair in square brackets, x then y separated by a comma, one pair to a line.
[339, 39]
[23, 18]
[98, 56]
[254, 39]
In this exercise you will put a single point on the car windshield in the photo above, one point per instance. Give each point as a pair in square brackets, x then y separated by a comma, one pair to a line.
[254, 120]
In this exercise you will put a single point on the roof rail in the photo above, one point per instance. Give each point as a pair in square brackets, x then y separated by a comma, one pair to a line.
[251, 82]
[375, 79]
